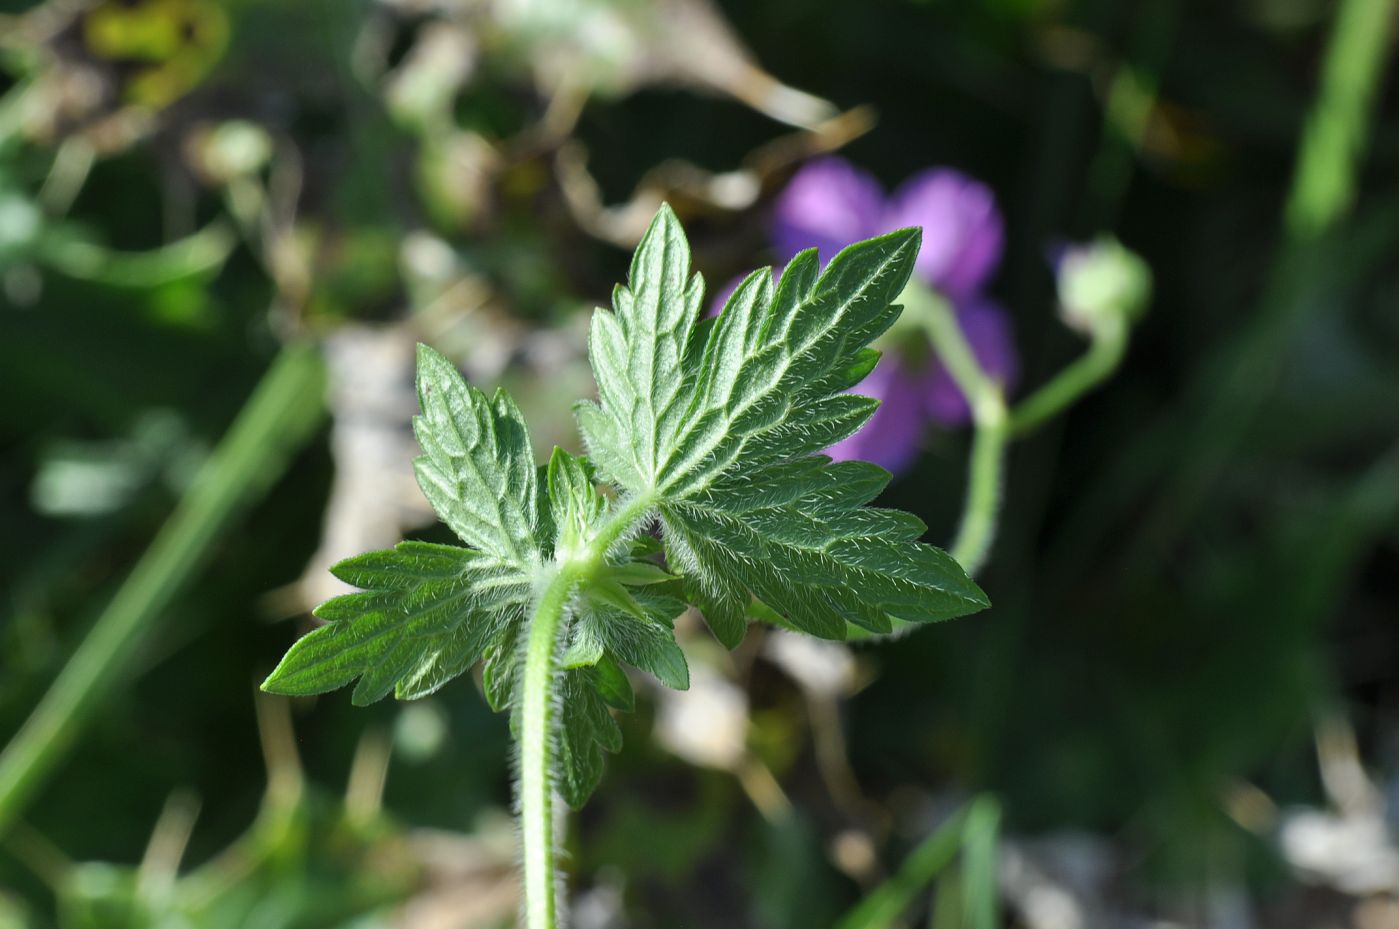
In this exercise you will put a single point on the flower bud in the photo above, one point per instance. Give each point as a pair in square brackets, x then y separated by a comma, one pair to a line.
[1101, 283]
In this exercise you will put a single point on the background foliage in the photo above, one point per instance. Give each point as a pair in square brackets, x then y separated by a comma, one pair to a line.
[1192, 642]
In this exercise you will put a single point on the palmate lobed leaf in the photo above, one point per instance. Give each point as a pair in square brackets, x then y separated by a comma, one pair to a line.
[717, 426]
[748, 508]
[426, 614]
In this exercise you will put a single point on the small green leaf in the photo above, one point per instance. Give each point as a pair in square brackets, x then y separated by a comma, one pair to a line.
[477, 469]
[586, 730]
[574, 502]
[425, 616]
[643, 638]
[427, 613]
[613, 686]
[585, 648]
[605, 591]
[499, 671]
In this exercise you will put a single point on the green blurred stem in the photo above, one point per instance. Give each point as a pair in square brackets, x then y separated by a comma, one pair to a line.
[1232, 385]
[981, 838]
[994, 423]
[977, 529]
[983, 504]
[1088, 371]
[1323, 187]
[974, 831]
[887, 902]
[202, 252]
[277, 420]
[537, 709]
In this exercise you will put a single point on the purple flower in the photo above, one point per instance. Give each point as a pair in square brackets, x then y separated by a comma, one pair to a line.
[830, 203]
[962, 232]
[827, 205]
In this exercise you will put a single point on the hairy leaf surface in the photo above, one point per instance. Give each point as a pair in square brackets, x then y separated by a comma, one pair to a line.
[477, 468]
[711, 430]
[733, 415]
[425, 615]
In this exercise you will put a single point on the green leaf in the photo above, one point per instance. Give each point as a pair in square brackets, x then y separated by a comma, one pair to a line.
[586, 730]
[642, 635]
[641, 574]
[637, 352]
[500, 669]
[574, 503]
[710, 430]
[613, 686]
[425, 615]
[825, 559]
[721, 425]
[477, 469]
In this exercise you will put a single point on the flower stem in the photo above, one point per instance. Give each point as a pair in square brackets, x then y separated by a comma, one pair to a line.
[982, 505]
[983, 502]
[537, 711]
[995, 424]
[1090, 369]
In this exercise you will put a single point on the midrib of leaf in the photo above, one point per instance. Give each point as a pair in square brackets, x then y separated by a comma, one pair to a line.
[658, 315]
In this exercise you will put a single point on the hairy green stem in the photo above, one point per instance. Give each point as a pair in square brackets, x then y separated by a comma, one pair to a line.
[537, 710]
[536, 750]
[275, 422]
[977, 528]
[995, 425]
[1088, 371]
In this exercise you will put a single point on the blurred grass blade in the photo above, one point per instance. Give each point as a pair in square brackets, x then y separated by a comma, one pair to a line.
[1231, 384]
[1233, 388]
[1323, 187]
[887, 902]
[946, 910]
[277, 420]
[980, 900]
[204, 251]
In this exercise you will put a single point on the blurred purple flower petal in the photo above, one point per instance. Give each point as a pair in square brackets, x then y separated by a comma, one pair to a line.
[962, 229]
[828, 204]
[894, 435]
[987, 328]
